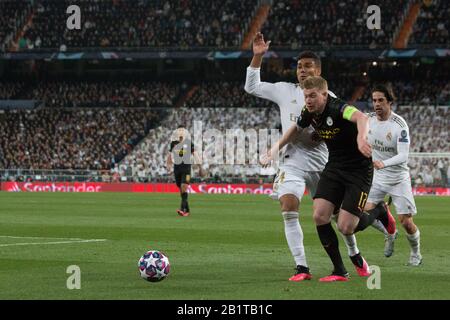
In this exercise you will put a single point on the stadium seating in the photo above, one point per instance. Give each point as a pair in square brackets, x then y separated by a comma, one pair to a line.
[417, 92]
[432, 25]
[143, 23]
[296, 24]
[71, 139]
[13, 15]
[105, 93]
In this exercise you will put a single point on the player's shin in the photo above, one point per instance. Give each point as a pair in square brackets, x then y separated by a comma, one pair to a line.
[330, 243]
[184, 202]
[380, 227]
[414, 241]
[368, 217]
[350, 242]
[294, 237]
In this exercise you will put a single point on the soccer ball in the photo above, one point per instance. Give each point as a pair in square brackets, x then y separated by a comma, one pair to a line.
[154, 266]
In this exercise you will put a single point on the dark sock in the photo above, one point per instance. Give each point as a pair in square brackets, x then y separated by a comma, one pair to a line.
[302, 269]
[330, 243]
[357, 260]
[184, 202]
[367, 217]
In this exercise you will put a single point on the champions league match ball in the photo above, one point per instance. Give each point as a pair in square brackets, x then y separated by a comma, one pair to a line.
[154, 266]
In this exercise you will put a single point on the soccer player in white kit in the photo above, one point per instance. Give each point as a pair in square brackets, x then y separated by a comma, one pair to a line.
[389, 138]
[302, 161]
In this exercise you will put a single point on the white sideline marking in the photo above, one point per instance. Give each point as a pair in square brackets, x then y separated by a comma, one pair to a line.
[68, 240]
[16, 237]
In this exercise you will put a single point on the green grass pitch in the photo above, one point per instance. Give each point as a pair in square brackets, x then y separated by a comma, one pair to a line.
[231, 247]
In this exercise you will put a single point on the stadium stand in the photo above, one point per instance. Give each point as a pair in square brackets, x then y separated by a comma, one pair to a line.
[296, 24]
[71, 139]
[432, 25]
[143, 23]
[13, 15]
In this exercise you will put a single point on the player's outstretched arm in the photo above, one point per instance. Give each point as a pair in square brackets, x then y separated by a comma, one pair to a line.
[253, 84]
[284, 140]
[362, 121]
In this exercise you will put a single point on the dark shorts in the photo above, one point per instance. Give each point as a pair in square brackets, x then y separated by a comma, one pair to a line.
[182, 176]
[348, 190]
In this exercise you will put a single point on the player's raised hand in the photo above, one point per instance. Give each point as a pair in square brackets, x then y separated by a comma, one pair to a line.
[266, 159]
[260, 47]
[364, 147]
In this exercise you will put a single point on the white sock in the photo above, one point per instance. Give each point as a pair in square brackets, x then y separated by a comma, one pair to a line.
[350, 242]
[380, 227]
[414, 241]
[294, 237]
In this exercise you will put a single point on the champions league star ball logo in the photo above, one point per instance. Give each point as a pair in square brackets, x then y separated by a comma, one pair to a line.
[329, 121]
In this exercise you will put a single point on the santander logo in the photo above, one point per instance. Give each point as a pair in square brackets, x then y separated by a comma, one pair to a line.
[54, 187]
[233, 189]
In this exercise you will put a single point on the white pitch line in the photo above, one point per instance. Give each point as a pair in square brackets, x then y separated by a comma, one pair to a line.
[54, 242]
[20, 237]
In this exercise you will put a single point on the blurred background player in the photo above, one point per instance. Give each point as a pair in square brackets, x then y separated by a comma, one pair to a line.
[180, 157]
[389, 138]
[303, 159]
[347, 177]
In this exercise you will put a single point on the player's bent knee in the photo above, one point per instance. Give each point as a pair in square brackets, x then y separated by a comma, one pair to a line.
[408, 223]
[289, 202]
[321, 218]
[346, 229]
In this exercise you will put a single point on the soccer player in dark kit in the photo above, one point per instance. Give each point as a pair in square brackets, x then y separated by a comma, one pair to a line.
[180, 156]
[345, 183]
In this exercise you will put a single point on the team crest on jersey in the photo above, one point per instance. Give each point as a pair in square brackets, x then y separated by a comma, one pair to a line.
[329, 121]
[389, 136]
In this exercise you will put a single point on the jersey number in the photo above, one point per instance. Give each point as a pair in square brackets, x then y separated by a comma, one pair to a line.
[362, 201]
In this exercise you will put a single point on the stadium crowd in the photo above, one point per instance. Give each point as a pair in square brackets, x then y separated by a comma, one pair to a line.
[427, 91]
[148, 159]
[432, 25]
[13, 15]
[105, 94]
[296, 24]
[71, 139]
[188, 24]
[143, 23]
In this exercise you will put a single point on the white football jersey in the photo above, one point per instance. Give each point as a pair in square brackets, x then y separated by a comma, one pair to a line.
[304, 154]
[390, 143]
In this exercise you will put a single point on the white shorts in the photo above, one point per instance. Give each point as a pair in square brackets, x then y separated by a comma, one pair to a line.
[294, 181]
[401, 193]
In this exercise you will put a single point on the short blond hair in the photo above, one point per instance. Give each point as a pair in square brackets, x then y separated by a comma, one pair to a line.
[315, 82]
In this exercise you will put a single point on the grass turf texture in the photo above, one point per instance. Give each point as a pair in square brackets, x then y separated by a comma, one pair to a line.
[231, 247]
